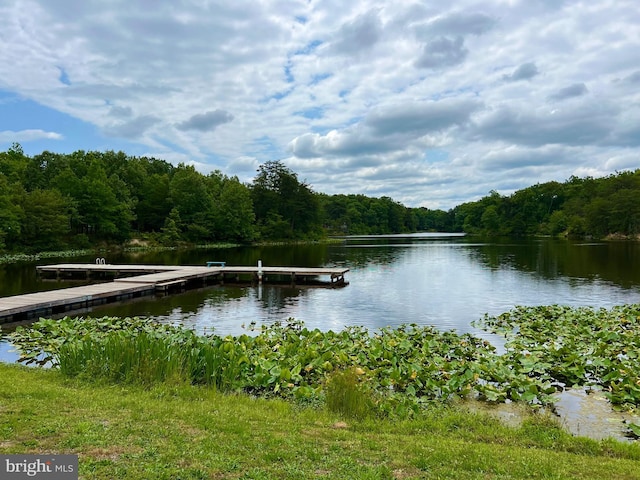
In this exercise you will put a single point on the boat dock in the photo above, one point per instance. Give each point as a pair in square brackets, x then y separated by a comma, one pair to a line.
[131, 281]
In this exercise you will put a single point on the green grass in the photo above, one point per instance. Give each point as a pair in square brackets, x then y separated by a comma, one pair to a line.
[171, 431]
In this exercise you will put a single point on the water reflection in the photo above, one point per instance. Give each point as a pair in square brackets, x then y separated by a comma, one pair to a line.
[590, 415]
[553, 258]
[7, 352]
[445, 281]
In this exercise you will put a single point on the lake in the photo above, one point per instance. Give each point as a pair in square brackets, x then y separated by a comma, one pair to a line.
[445, 280]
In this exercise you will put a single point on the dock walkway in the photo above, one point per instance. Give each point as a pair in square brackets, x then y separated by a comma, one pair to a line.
[135, 281]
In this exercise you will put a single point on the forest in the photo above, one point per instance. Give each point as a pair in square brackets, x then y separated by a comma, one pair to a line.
[579, 207]
[54, 201]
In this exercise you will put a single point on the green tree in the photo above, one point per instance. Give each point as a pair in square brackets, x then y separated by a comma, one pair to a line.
[154, 202]
[46, 221]
[395, 215]
[278, 196]
[11, 215]
[598, 213]
[624, 216]
[558, 222]
[189, 193]
[491, 220]
[100, 213]
[13, 164]
[468, 217]
[235, 215]
[171, 229]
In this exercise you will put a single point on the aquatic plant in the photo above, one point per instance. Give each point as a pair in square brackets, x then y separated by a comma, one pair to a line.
[399, 370]
[41, 343]
[586, 347]
[24, 257]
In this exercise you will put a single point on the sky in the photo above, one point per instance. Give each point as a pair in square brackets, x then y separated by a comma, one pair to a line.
[430, 103]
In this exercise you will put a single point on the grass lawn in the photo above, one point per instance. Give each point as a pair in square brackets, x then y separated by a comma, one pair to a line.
[185, 432]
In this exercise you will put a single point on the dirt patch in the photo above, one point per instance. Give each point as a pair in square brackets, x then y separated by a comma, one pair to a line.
[137, 242]
[620, 236]
[111, 453]
[400, 473]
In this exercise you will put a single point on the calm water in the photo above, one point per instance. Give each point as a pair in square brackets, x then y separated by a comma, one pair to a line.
[428, 279]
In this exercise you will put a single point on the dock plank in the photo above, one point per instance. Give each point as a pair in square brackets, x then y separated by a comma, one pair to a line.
[149, 279]
[88, 294]
[77, 267]
[185, 273]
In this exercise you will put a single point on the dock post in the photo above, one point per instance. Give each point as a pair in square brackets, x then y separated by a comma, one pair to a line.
[260, 271]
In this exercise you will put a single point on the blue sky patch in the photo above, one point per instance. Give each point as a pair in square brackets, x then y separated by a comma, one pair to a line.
[18, 115]
[64, 78]
[266, 146]
[311, 113]
[309, 47]
[318, 78]
[287, 73]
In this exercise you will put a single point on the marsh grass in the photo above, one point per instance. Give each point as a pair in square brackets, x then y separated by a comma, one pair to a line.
[148, 357]
[347, 396]
[121, 357]
[26, 257]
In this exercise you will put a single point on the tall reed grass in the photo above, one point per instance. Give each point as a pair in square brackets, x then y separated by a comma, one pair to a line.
[151, 357]
[346, 395]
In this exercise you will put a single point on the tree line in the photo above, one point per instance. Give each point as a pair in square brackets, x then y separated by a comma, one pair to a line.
[579, 207]
[53, 201]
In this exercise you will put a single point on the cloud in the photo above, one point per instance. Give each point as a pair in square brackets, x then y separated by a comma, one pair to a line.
[132, 129]
[526, 71]
[243, 166]
[580, 126]
[458, 24]
[28, 135]
[626, 134]
[113, 92]
[206, 122]
[514, 157]
[444, 38]
[420, 118]
[357, 35]
[624, 161]
[442, 52]
[575, 90]
[632, 79]
[122, 112]
[386, 129]
[348, 142]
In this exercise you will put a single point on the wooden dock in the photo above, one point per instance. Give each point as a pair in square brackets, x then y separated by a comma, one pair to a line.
[131, 281]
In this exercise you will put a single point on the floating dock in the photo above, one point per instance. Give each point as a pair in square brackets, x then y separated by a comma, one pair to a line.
[131, 281]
